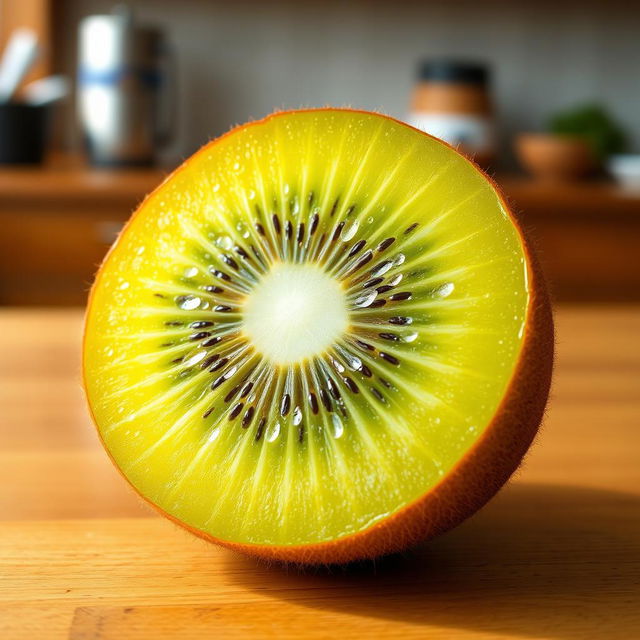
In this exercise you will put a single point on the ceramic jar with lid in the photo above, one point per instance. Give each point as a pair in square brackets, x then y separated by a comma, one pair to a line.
[451, 101]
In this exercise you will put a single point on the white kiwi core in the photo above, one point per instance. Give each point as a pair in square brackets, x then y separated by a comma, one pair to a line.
[294, 313]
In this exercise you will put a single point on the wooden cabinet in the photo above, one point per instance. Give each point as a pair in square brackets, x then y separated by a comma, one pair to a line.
[56, 226]
[57, 223]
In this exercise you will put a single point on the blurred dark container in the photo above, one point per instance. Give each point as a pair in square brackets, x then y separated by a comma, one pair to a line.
[23, 130]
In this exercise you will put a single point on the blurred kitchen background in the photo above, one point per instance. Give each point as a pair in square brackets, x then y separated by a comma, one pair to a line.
[545, 94]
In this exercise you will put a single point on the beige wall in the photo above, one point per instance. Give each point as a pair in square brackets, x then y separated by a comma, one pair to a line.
[241, 59]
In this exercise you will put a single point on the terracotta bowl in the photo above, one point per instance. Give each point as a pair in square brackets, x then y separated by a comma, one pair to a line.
[554, 158]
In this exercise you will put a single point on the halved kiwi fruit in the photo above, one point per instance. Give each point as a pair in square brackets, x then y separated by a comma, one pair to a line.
[321, 339]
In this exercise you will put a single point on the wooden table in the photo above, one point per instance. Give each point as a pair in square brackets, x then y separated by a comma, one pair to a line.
[555, 555]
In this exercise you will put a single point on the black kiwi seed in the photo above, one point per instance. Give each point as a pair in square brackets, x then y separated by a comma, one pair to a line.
[338, 231]
[247, 388]
[256, 253]
[231, 262]
[351, 385]
[276, 223]
[313, 401]
[372, 283]
[386, 383]
[357, 247]
[200, 324]
[176, 360]
[400, 320]
[199, 336]
[173, 323]
[310, 198]
[313, 225]
[285, 404]
[377, 303]
[241, 252]
[378, 395]
[403, 295]
[382, 267]
[207, 413]
[410, 229]
[246, 419]
[364, 258]
[333, 390]
[389, 336]
[288, 229]
[389, 358]
[301, 433]
[385, 244]
[365, 345]
[365, 371]
[159, 295]
[259, 228]
[209, 360]
[212, 288]
[326, 400]
[217, 382]
[222, 308]
[334, 208]
[350, 210]
[231, 394]
[235, 412]
[211, 342]
[384, 288]
[167, 344]
[260, 429]
[300, 235]
[219, 364]
[220, 274]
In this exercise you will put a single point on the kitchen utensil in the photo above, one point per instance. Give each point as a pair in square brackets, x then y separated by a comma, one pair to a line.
[46, 90]
[123, 89]
[451, 101]
[19, 55]
[23, 131]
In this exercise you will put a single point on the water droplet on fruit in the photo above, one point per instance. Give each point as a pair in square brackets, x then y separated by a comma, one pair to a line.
[444, 290]
[190, 272]
[214, 434]
[366, 299]
[382, 268]
[338, 427]
[195, 358]
[230, 372]
[273, 431]
[224, 242]
[297, 416]
[286, 188]
[409, 337]
[395, 280]
[350, 231]
[353, 361]
[216, 188]
[338, 367]
[236, 166]
[398, 260]
[124, 285]
[251, 194]
[188, 302]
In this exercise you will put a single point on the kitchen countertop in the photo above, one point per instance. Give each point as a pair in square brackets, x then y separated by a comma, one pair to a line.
[556, 555]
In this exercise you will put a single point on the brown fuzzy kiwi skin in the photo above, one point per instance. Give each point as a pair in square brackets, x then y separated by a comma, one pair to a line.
[477, 476]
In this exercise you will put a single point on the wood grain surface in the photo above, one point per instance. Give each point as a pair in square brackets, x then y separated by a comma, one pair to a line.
[555, 555]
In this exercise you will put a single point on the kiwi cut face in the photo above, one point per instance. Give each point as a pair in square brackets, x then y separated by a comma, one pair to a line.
[305, 328]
